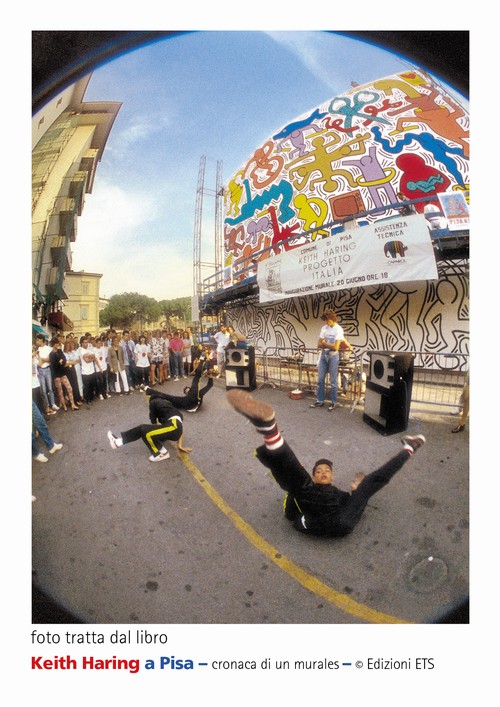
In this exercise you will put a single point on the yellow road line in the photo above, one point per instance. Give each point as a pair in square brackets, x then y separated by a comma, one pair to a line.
[309, 581]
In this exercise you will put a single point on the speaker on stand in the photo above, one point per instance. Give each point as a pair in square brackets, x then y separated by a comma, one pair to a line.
[240, 368]
[388, 391]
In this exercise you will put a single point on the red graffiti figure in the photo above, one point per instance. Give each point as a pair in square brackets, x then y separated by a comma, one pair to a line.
[266, 163]
[419, 180]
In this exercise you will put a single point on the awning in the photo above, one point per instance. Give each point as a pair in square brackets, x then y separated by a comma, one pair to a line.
[39, 330]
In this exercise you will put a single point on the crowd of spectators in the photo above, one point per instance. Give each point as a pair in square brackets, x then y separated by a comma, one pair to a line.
[70, 371]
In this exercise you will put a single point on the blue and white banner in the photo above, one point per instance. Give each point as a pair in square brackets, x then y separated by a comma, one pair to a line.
[393, 250]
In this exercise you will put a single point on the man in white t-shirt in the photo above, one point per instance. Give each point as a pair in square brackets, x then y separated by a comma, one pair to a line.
[165, 355]
[101, 356]
[330, 336]
[128, 346]
[222, 339]
[90, 367]
[433, 214]
[45, 375]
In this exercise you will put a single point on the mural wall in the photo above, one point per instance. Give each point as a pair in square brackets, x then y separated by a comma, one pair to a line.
[430, 317]
[353, 154]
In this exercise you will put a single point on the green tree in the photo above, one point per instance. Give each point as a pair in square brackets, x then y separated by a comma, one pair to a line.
[177, 309]
[126, 307]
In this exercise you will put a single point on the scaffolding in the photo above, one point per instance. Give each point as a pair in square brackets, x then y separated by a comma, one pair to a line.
[197, 276]
[199, 265]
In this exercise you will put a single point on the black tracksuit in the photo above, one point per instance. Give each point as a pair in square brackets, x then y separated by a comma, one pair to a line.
[323, 509]
[193, 399]
[166, 424]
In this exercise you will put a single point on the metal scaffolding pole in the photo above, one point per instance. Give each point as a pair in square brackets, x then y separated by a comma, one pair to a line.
[219, 209]
[197, 229]
[198, 264]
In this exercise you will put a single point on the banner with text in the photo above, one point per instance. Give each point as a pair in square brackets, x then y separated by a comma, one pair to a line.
[393, 250]
[456, 210]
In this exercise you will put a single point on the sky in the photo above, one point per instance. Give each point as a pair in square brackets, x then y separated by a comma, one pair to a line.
[218, 94]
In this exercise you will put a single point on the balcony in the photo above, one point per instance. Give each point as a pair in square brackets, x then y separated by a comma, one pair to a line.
[54, 285]
[77, 188]
[61, 253]
[88, 163]
[68, 218]
[60, 321]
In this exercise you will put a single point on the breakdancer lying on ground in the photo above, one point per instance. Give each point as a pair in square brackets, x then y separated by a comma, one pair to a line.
[193, 397]
[313, 504]
[166, 424]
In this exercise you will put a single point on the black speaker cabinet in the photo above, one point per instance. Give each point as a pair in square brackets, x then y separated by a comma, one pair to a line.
[388, 391]
[240, 368]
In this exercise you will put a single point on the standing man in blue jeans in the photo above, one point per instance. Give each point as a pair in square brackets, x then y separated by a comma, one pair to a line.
[128, 347]
[175, 347]
[40, 428]
[330, 336]
[45, 375]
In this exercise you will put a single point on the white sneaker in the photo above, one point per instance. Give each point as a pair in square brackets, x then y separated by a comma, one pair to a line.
[113, 441]
[176, 378]
[55, 448]
[55, 407]
[412, 443]
[41, 458]
[159, 457]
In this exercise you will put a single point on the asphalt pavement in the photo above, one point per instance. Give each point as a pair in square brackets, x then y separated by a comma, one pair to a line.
[201, 538]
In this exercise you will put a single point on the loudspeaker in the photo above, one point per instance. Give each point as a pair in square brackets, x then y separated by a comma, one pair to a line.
[240, 368]
[238, 357]
[388, 391]
[387, 368]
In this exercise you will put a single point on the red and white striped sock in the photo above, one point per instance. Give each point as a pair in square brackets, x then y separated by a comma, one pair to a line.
[272, 436]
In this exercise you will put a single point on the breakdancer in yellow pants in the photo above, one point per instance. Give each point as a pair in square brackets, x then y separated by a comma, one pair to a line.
[166, 425]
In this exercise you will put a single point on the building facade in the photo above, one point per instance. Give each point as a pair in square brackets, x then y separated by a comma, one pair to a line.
[83, 303]
[68, 139]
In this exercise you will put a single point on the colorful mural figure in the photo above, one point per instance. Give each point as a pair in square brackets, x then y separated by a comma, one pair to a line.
[352, 154]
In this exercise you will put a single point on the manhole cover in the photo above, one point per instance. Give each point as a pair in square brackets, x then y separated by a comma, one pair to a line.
[428, 574]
